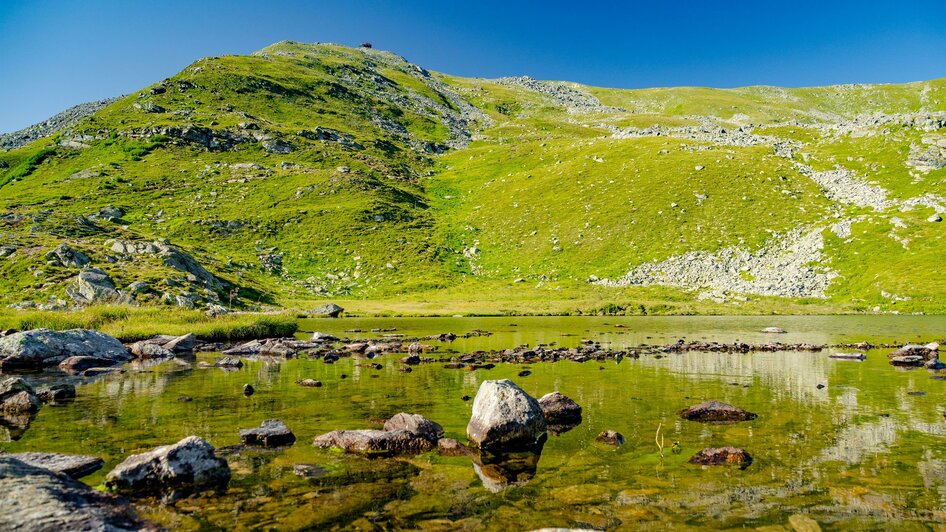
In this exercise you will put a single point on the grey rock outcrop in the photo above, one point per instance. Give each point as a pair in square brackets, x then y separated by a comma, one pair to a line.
[67, 118]
[73, 465]
[93, 285]
[505, 417]
[329, 309]
[43, 347]
[36, 498]
[415, 424]
[67, 257]
[172, 257]
[187, 464]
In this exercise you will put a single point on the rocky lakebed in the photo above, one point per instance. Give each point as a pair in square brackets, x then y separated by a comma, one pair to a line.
[480, 423]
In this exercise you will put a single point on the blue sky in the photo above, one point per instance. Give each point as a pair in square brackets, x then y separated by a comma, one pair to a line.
[54, 54]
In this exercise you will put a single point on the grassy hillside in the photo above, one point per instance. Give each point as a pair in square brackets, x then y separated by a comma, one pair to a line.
[306, 172]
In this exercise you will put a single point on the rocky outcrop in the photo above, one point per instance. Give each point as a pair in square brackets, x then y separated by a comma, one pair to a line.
[330, 310]
[42, 347]
[722, 456]
[916, 355]
[53, 124]
[35, 498]
[716, 412]
[93, 285]
[505, 417]
[66, 257]
[402, 434]
[17, 397]
[171, 256]
[73, 465]
[271, 433]
[185, 465]
[561, 412]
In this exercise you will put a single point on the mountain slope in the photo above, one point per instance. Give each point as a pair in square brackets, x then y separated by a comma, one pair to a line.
[312, 171]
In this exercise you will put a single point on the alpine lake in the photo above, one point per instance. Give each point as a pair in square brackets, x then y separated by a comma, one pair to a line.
[849, 445]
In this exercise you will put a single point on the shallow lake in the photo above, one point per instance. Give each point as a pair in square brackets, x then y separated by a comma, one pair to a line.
[863, 451]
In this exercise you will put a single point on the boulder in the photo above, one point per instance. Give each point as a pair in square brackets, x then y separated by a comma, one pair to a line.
[716, 412]
[611, 437]
[78, 364]
[411, 360]
[451, 447]
[36, 498]
[323, 337]
[505, 417]
[560, 410]
[277, 146]
[271, 433]
[73, 465]
[415, 424]
[93, 285]
[229, 362]
[146, 349]
[181, 344]
[42, 347]
[329, 309]
[927, 352]
[722, 456]
[67, 257]
[187, 464]
[17, 397]
[402, 434]
[908, 360]
[56, 393]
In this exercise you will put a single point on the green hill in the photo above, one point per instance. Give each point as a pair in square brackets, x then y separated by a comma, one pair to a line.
[306, 172]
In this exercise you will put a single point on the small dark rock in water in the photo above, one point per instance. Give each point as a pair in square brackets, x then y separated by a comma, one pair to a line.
[248, 390]
[820, 386]
[377, 366]
[451, 447]
[36, 498]
[916, 393]
[74, 465]
[560, 410]
[611, 437]
[56, 393]
[184, 399]
[716, 412]
[229, 362]
[411, 359]
[405, 369]
[722, 456]
[465, 398]
[883, 415]
[187, 464]
[525, 373]
[309, 383]
[271, 433]
[343, 376]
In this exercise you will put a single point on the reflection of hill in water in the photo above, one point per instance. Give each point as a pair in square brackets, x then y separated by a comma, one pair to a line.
[789, 375]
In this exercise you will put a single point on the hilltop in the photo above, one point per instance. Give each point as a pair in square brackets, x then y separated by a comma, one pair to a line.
[306, 172]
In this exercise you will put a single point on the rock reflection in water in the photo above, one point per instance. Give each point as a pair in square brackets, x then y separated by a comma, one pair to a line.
[12, 426]
[502, 470]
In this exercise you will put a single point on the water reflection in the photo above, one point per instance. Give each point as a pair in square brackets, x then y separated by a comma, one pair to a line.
[501, 470]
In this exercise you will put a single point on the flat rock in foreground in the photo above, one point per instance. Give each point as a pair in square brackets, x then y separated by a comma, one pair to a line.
[43, 347]
[187, 464]
[716, 412]
[35, 498]
[73, 465]
[505, 417]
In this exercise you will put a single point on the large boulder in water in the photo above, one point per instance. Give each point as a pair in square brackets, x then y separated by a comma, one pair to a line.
[187, 464]
[415, 424]
[505, 418]
[271, 433]
[35, 498]
[402, 434]
[561, 412]
[716, 412]
[43, 347]
[17, 397]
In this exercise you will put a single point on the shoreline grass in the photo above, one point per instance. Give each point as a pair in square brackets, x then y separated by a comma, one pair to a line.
[130, 324]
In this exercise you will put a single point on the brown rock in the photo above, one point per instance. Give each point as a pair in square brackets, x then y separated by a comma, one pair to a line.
[722, 456]
[716, 412]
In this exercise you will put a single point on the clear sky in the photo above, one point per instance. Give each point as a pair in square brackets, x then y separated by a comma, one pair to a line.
[54, 54]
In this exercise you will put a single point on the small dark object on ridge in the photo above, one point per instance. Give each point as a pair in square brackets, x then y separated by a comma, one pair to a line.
[248, 390]
[525, 373]
[366, 44]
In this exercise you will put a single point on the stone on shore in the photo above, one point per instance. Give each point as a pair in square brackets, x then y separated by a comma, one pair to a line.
[271, 433]
[187, 464]
[505, 418]
[36, 498]
[73, 465]
[329, 309]
[716, 412]
[43, 347]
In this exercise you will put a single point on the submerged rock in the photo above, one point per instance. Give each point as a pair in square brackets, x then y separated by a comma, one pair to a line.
[74, 465]
[36, 498]
[17, 397]
[505, 417]
[451, 447]
[187, 464]
[908, 360]
[78, 364]
[228, 362]
[56, 393]
[560, 411]
[722, 456]
[42, 347]
[309, 383]
[415, 424]
[716, 412]
[611, 437]
[271, 433]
